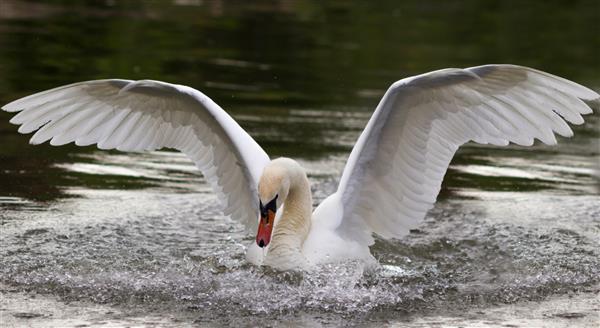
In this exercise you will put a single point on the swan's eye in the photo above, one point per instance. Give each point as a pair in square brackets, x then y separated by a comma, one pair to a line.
[263, 209]
[272, 205]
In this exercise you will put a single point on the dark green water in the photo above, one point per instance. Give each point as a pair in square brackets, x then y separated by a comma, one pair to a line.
[142, 232]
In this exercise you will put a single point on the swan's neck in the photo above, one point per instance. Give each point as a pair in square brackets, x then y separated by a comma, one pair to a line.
[293, 226]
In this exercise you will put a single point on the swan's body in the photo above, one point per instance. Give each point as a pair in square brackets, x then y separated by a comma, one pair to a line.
[300, 238]
[393, 174]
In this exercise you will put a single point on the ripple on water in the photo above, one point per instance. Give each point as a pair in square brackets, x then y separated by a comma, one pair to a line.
[183, 256]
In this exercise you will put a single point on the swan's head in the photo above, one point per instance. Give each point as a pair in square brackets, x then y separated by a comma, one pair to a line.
[273, 189]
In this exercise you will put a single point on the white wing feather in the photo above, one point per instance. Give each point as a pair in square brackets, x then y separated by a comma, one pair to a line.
[149, 115]
[394, 173]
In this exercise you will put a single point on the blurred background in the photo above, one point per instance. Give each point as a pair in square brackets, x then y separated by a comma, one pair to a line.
[263, 61]
[143, 232]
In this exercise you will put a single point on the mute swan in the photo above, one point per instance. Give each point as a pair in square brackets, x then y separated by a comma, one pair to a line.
[391, 179]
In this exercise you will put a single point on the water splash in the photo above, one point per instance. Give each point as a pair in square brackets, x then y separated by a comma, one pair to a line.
[191, 260]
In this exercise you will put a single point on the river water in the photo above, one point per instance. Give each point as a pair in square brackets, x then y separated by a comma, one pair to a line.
[97, 238]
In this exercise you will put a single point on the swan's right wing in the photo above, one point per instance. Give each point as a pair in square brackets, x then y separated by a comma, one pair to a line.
[149, 115]
[395, 170]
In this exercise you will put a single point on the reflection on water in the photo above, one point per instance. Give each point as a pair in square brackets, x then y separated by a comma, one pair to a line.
[143, 233]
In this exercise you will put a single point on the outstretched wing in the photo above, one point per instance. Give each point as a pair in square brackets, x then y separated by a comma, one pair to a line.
[394, 173]
[149, 115]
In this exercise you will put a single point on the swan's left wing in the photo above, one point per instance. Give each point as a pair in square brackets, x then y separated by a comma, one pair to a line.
[395, 170]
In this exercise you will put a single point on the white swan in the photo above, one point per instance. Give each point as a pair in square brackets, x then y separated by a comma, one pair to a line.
[391, 179]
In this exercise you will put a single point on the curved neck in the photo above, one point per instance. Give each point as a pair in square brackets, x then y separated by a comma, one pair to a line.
[293, 226]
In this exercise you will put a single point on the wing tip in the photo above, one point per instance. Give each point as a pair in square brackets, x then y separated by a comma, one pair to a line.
[33, 141]
[550, 142]
[11, 107]
[567, 133]
[57, 141]
[593, 105]
[14, 120]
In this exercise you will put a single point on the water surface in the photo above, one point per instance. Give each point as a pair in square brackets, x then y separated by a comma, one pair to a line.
[125, 236]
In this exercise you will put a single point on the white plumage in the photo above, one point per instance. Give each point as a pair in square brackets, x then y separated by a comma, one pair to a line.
[393, 174]
[149, 115]
[395, 170]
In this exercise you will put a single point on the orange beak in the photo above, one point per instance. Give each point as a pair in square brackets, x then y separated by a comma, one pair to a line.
[265, 228]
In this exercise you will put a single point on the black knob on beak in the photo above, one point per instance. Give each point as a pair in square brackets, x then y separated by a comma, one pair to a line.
[261, 243]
